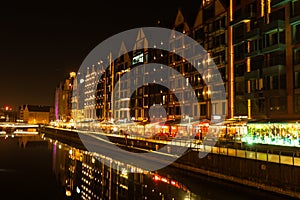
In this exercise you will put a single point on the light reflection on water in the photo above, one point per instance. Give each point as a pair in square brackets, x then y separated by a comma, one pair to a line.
[89, 175]
[29, 163]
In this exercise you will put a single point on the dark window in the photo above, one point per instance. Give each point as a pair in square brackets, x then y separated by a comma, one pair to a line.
[257, 62]
[240, 69]
[296, 56]
[261, 105]
[275, 82]
[283, 81]
[177, 111]
[199, 34]
[239, 51]
[267, 83]
[237, 13]
[296, 34]
[203, 109]
[239, 88]
[238, 32]
[277, 15]
[295, 8]
[277, 58]
[223, 22]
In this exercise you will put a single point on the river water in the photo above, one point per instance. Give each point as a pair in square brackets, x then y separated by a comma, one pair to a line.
[35, 167]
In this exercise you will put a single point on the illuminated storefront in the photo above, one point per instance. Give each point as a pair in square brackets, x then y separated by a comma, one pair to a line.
[276, 133]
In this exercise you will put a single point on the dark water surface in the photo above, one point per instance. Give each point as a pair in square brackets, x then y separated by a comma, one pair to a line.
[33, 167]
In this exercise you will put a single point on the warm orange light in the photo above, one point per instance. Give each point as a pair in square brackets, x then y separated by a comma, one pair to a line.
[262, 8]
[157, 178]
[249, 108]
[248, 62]
[269, 6]
[231, 10]
[165, 180]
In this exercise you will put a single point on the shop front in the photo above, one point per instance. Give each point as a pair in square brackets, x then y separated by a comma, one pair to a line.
[274, 133]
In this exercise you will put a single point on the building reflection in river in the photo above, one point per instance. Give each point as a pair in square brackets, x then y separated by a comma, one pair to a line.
[86, 175]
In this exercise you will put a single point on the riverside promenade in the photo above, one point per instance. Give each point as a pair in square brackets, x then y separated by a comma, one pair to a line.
[269, 168]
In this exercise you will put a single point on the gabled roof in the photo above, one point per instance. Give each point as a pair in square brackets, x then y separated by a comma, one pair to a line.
[123, 51]
[185, 17]
[180, 23]
[38, 108]
[141, 41]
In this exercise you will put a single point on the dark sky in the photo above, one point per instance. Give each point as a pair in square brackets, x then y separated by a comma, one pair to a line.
[40, 43]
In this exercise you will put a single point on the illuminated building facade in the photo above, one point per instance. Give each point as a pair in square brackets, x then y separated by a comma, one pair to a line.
[266, 58]
[255, 45]
[63, 99]
[104, 89]
[78, 100]
[210, 33]
[209, 29]
[121, 100]
[35, 114]
[89, 93]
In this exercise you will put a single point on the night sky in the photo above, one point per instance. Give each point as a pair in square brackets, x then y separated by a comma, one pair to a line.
[40, 43]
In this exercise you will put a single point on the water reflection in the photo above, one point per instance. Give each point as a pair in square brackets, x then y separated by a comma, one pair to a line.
[42, 168]
[86, 175]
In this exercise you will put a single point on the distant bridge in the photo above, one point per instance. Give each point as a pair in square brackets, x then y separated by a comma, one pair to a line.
[19, 128]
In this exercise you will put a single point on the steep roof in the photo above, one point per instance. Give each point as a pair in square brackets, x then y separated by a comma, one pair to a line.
[186, 15]
[38, 108]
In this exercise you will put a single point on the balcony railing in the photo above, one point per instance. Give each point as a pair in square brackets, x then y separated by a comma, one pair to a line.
[275, 70]
[252, 75]
[277, 3]
[254, 94]
[295, 20]
[254, 33]
[274, 92]
[277, 24]
[273, 48]
[253, 53]
[244, 17]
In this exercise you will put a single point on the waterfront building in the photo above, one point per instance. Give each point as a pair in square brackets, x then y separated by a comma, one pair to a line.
[89, 93]
[36, 114]
[266, 58]
[78, 100]
[144, 98]
[254, 44]
[121, 96]
[63, 99]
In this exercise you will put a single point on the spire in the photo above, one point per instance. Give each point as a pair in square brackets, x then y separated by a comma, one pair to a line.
[179, 18]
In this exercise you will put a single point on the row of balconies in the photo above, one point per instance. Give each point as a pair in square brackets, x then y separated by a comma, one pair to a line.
[275, 47]
[257, 32]
[268, 71]
[265, 93]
